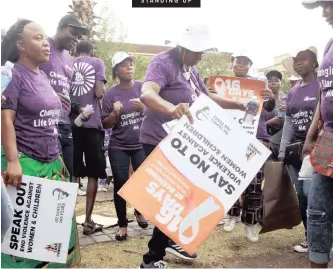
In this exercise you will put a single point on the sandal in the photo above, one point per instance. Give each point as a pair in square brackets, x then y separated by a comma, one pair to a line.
[120, 236]
[91, 228]
[142, 224]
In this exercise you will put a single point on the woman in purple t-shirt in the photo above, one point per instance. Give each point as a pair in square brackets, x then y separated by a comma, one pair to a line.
[171, 85]
[122, 111]
[320, 197]
[29, 119]
[301, 103]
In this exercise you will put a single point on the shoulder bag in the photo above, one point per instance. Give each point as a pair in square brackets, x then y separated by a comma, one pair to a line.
[322, 154]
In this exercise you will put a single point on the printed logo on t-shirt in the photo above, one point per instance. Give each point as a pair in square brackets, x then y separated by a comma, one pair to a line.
[329, 93]
[307, 98]
[84, 79]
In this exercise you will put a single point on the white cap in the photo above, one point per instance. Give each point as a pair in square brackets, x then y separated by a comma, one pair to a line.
[311, 4]
[294, 78]
[120, 57]
[196, 38]
[241, 53]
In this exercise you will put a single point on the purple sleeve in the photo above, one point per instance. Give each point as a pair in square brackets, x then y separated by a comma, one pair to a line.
[100, 71]
[12, 92]
[157, 72]
[107, 105]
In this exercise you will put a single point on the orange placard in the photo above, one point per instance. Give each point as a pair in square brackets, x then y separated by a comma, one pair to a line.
[245, 90]
[169, 200]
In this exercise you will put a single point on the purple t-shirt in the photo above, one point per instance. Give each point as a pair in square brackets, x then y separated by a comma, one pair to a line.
[126, 132]
[59, 70]
[37, 113]
[301, 104]
[325, 78]
[87, 71]
[262, 127]
[165, 70]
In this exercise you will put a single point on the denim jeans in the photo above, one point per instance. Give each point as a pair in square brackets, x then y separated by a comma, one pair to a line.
[66, 147]
[320, 219]
[120, 161]
[302, 189]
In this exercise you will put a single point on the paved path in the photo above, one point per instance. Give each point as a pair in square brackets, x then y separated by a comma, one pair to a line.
[108, 234]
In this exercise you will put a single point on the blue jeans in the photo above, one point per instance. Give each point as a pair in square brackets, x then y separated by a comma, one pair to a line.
[66, 147]
[120, 161]
[302, 189]
[320, 219]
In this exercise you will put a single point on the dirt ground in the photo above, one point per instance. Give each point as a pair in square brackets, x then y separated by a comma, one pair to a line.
[220, 250]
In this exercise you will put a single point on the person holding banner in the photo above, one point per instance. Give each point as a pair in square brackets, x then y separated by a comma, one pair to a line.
[275, 119]
[320, 198]
[252, 197]
[301, 103]
[171, 85]
[29, 119]
[122, 111]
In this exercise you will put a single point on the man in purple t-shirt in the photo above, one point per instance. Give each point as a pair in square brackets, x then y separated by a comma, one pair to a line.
[87, 88]
[59, 70]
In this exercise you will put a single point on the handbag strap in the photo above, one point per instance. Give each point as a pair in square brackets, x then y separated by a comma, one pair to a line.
[320, 119]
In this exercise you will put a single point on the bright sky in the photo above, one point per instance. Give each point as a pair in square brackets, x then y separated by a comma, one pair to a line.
[266, 28]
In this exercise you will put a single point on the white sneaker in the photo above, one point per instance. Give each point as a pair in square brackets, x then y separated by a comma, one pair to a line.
[230, 224]
[252, 232]
[301, 248]
[81, 192]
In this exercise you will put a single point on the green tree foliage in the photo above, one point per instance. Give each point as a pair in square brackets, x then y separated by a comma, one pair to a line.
[214, 64]
[141, 65]
[109, 38]
[285, 82]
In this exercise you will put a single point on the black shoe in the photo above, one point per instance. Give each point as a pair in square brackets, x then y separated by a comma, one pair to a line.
[159, 264]
[174, 249]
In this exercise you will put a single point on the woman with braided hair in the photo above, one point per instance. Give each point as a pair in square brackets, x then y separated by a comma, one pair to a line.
[29, 146]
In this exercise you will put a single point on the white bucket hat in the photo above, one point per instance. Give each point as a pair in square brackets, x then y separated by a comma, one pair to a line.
[310, 4]
[288, 63]
[119, 57]
[241, 53]
[294, 78]
[196, 38]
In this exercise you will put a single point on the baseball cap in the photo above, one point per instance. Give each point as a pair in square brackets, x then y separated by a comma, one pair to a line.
[119, 57]
[274, 73]
[74, 21]
[241, 53]
[310, 4]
